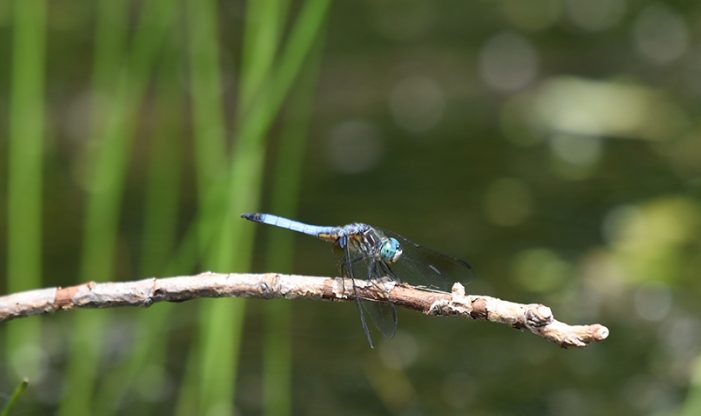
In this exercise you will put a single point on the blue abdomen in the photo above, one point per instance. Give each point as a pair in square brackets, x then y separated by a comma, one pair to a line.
[315, 230]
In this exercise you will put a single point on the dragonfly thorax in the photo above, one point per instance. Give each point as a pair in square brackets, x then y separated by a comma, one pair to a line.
[371, 243]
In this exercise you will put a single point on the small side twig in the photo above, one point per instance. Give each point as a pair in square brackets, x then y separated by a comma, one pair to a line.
[537, 318]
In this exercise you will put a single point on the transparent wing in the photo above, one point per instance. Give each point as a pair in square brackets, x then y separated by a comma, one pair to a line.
[382, 314]
[426, 267]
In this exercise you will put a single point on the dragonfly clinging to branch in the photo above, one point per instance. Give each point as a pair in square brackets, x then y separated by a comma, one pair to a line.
[377, 255]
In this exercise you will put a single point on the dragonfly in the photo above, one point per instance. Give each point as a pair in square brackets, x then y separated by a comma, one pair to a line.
[378, 256]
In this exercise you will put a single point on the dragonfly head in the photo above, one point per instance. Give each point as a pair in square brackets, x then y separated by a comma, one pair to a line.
[390, 251]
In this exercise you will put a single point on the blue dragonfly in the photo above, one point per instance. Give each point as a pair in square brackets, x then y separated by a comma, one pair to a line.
[379, 255]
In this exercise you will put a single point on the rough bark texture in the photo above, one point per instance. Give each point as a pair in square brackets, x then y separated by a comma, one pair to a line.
[536, 318]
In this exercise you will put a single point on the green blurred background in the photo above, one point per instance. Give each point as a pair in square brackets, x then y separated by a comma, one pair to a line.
[556, 145]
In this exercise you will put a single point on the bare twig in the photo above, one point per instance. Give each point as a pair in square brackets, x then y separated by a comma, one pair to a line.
[536, 318]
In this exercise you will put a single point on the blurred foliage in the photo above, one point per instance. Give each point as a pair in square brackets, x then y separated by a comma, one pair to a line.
[555, 144]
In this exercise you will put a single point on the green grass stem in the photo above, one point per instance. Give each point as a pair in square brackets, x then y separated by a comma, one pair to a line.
[210, 154]
[222, 321]
[24, 182]
[277, 354]
[160, 220]
[16, 393]
[107, 174]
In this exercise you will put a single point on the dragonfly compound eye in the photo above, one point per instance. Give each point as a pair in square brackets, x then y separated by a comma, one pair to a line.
[390, 251]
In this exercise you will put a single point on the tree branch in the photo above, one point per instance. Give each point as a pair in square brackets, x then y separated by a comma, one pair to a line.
[536, 318]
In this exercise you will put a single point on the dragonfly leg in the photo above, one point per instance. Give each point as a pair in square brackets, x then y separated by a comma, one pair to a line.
[345, 266]
[375, 274]
[349, 269]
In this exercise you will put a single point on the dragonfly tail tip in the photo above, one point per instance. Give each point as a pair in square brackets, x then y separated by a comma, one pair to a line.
[248, 215]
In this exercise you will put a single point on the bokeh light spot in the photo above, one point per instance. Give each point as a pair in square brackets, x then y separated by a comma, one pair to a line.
[653, 301]
[595, 15]
[29, 361]
[508, 62]
[660, 34]
[650, 239]
[400, 351]
[417, 103]
[540, 269]
[354, 147]
[604, 108]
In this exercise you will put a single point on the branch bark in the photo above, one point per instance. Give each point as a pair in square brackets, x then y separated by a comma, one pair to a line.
[537, 318]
